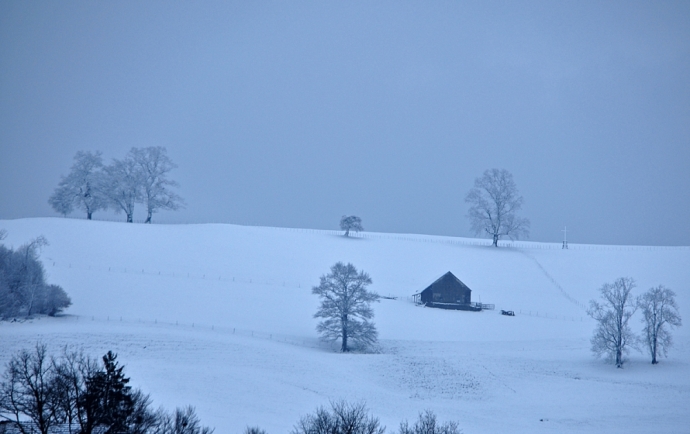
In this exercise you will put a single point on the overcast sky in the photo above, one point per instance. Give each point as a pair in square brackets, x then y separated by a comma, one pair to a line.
[295, 113]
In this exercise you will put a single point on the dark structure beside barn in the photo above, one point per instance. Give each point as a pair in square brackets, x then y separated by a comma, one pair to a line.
[448, 292]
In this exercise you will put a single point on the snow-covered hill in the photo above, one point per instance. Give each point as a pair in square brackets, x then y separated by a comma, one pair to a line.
[220, 316]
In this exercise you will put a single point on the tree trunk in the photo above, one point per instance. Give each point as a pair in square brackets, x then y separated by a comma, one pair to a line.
[495, 244]
[619, 358]
[129, 218]
[149, 215]
[654, 361]
[347, 232]
[343, 347]
[88, 215]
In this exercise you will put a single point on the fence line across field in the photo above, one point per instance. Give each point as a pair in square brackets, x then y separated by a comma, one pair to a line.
[313, 342]
[228, 330]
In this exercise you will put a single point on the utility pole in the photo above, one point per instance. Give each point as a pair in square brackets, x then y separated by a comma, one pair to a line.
[565, 237]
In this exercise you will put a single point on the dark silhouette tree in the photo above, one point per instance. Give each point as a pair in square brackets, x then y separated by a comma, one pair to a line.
[108, 399]
[351, 223]
[26, 390]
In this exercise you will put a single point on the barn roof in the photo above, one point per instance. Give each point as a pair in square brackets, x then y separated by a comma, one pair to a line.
[448, 277]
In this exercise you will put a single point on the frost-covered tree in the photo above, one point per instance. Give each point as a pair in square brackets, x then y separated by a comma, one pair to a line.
[121, 183]
[23, 288]
[156, 194]
[660, 312]
[343, 418]
[613, 336]
[345, 307]
[62, 201]
[494, 202]
[79, 188]
[351, 223]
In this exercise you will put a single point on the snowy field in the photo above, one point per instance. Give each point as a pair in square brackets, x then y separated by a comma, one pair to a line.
[220, 317]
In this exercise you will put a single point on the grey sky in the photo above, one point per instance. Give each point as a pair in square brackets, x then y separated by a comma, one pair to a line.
[295, 113]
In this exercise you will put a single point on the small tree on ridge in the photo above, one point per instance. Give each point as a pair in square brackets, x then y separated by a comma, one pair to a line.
[351, 223]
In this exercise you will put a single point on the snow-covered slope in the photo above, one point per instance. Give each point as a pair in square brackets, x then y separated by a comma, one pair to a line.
[220, 316]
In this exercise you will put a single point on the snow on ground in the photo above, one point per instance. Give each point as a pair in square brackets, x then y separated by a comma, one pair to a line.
[220, 316]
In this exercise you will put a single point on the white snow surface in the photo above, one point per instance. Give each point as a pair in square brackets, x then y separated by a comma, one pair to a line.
[221, 317]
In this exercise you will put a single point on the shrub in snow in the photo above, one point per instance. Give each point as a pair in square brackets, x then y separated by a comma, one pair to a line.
[427, 424]
[184, 421]
[343, 418]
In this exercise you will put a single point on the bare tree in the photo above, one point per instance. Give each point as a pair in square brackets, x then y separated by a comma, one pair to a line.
[72, 370]
[26, 391]
[79, 188]
[351, 223]
[154, 164]
[343, 418]
[32, 273]
[254, 430]
[345, 307]
[660, 312]
[613, 335]
[494, 201]
[121, 184]
[184, 421]
[427, 424]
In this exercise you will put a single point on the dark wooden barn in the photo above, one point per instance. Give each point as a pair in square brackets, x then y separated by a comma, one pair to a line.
[447, 292]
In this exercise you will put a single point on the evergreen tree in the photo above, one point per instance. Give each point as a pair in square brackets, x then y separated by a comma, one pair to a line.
[108, 399]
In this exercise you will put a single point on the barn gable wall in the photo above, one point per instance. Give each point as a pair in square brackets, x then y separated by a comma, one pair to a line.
[447, 289]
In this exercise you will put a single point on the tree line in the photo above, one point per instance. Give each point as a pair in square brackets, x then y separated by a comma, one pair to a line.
[613, 336]
[40, 393]
[141, 177]
[23, 287]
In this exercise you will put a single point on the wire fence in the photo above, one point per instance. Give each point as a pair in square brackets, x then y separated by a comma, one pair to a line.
[520, 246]
[199, 276]
[203, 327]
